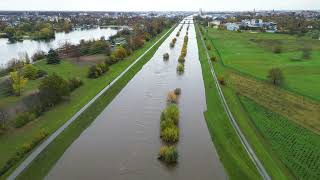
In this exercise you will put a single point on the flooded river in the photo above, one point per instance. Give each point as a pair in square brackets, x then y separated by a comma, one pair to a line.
[123, 142]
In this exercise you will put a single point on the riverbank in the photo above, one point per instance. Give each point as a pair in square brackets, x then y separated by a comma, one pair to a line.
[289, 110]
[231, 152]
[56, 117]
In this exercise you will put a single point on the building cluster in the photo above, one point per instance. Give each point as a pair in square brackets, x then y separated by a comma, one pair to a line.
[252, 20]
[252, 24]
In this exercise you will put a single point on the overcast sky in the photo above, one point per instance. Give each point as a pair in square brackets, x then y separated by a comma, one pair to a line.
[158, 5]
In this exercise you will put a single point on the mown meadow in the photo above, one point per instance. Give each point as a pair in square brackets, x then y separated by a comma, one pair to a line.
[255, 53]
[242, 61]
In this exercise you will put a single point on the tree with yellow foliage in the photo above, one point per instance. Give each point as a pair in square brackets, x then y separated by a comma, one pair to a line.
[18, 82]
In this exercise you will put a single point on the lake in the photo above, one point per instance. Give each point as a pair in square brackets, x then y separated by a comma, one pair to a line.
[18, 49]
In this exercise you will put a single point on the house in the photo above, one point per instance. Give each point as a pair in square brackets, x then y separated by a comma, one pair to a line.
[214, 23]
[258, 24]
[232, 26]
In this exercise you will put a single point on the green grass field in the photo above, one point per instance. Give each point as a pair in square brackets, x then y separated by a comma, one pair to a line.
[57, 116]
[298, 148]
[251, 53]
[270, 161]
[235, 159]
[245, 79]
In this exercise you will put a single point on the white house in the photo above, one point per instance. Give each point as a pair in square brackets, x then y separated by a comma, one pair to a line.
[232, 26]
[214, 23]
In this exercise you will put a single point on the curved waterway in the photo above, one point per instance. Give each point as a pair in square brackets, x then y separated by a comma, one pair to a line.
[123, 142]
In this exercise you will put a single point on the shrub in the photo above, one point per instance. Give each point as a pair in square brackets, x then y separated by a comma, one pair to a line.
[104, 67]
[180, 68]
[165, 56]
[171, 45]
[306, 52]
[174, 40]
[23, 119]
[178, 34]
[120, 53]
[168, 154]
[14, 65]
[39, 55]
[170, 134]
[110, 60]
[74, 83]
[277, 49]
[6, 87]
[41, 73]
[183, 53]
[53, 57]
[208, 46]
[213, 58]
[275, 76]
[166, 124]
[172, 113]
[30, 71]
[177, 91]
[94, 72]
[221, 80]
[172, 97]
[181, 59]
[52, 89]
[33, 103]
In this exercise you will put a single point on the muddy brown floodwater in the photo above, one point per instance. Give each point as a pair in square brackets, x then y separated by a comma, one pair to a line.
[123, 142]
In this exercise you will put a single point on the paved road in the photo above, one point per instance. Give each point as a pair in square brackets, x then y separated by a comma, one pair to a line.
[43, 145]
[233, 122]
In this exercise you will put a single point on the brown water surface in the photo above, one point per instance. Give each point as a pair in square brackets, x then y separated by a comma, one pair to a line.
[123, 142]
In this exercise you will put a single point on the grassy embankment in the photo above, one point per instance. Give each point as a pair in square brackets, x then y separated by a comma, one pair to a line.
[54, 118]
[295, 107]
[231, 152]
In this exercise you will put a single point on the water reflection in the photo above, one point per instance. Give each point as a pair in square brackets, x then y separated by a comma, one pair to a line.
[14, 50]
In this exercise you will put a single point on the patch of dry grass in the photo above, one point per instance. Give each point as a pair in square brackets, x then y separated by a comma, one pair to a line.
[297, 108]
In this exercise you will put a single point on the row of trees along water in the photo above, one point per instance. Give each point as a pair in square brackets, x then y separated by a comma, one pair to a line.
[169, 128]
[52, 88]
[181, 60]
[169, 120]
